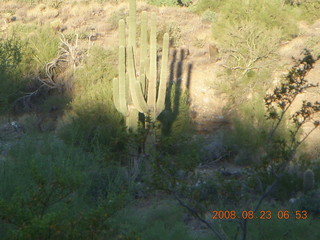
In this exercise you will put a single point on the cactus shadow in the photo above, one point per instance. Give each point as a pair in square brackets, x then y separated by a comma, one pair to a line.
[177, 90]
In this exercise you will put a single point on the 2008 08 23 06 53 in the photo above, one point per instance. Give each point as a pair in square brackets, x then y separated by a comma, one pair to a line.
[281, 214]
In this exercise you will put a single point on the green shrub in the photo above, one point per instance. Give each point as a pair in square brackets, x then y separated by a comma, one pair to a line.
[94, 122]
[248, 134]
[313, 44]
[248, 34]
[55, 101]
[268, 14]
[206, 5]
[41, 45]
[308, 10]
[115, 17]
[170, 2]
[276, 228]
[175, 119]
[209, 16]
[54, 191]
[249, 50]
[161, 221]
[23, 59]
[11, 80]
[310, 202]
[174, 31]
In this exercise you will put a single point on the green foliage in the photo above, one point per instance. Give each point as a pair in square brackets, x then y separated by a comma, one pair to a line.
[206, 5]
[271, 14]
[276, 228]
[176, 155]
[308, 10]
[55, 101]
[249, 50]
[278, 139]
[54, 191]
[41, 46]
[282, 145]
[208, 16]
[115, 17]
[313, 44]
[310, 202]
[11, 81]
[163, 2]
[108, 183]
[308, 180]
[171, 3]
[175, 119]
[22, 59]
[94, 123]
[289, 185]
[161, 221]
[247, 137]
[174, 32]
[229, 190]
[248, 34]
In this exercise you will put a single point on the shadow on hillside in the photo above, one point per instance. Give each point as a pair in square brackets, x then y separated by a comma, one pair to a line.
[177, 99]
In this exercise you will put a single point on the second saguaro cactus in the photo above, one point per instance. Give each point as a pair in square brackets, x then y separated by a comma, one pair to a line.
[138, 90]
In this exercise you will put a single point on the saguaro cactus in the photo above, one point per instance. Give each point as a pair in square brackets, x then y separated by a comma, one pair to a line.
[138, 91]
[308, 180]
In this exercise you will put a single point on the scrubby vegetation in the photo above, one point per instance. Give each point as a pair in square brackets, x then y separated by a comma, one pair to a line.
[71, 167]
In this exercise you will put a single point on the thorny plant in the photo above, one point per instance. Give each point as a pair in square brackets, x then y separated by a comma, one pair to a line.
[279, 102]
[69, 54]
[277, 105]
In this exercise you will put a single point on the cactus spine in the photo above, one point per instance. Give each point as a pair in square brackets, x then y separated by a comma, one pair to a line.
[137, 91]
[308, 180]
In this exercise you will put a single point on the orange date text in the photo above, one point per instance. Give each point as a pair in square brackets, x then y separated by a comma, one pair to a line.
[281, 214]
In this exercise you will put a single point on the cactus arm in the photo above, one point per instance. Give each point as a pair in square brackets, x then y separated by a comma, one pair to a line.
[135, 88]
[152, 88]
[163, 75]
[115, 91]
[139, 98]
[132, 24]
[122, 33]
[119, 85]
[143, 48]
[122, 81]
[132, 119]
[128, 96]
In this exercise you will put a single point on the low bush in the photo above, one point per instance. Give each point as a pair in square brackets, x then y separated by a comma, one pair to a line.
[163, 221]
[23, 57]
[248, 34]
[206, 5]
[41, 45]
[54, 191]
[93, 122]
[11, 80]
[185, 3]
[307, 10]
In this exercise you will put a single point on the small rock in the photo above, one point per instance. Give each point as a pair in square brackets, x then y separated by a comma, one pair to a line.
[292, 200]
[11, 131]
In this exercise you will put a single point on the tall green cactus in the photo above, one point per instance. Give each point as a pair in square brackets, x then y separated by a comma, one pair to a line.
[137, 91]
